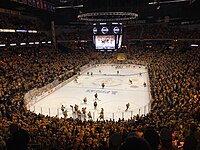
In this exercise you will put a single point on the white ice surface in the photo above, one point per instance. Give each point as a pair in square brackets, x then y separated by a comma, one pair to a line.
[113, 98]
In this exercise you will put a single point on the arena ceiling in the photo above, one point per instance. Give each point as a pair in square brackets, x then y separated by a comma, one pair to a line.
[66, 11]
[149, 10]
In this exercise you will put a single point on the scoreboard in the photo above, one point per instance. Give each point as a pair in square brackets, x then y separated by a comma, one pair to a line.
[105, 28]
[107, 36]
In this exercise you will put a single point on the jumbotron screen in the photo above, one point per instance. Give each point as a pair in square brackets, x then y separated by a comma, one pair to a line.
[105, 41]
[107, 36]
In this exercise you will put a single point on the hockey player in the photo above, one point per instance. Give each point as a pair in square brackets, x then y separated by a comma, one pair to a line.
[103, 85]
[76, 79]
[95, 105]
[102, 111]
[127, 106]
[62, 108]
[101, 116]
[130, 81]
[89, 115]
[84, 113]
[76, 107]
[85, 100]
[79, 114]
[96, 96]
[65, 113]
[84, 110]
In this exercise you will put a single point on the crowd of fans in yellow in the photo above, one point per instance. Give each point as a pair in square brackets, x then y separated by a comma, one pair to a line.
[172, 123]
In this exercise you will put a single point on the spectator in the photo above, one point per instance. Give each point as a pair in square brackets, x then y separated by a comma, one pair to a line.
[166, 139]
[192, 140]
[19, 138]
[135, 143]
[152, 137]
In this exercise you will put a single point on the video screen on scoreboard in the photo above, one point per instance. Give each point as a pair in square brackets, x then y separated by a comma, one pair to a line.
[105, 41]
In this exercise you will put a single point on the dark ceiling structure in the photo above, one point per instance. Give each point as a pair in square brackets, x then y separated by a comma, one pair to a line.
[66, 11]
[149, 10]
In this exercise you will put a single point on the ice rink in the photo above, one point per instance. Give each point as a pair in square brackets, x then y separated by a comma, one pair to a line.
[118, 91]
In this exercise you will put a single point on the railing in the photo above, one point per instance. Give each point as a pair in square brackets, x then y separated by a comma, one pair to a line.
[53, 111]
[36, 95]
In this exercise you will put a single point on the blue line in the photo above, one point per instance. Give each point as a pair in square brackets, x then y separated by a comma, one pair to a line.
[106, 89]
[114, 74]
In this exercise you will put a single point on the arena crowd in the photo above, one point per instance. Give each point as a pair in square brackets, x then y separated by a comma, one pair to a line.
[173, 122]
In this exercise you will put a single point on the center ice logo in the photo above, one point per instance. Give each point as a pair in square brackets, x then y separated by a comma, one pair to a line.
[102, 91]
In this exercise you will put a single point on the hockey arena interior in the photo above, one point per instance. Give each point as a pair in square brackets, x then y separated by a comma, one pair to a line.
[99, 74]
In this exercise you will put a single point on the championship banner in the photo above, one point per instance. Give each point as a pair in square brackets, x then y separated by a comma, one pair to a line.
[30, 3]
[25, 2]
[121, 56]
[41, 4]
[38, 3]
[33, 3]
[45, 5]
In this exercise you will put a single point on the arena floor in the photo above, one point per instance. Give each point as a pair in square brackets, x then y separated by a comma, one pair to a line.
[118, 91]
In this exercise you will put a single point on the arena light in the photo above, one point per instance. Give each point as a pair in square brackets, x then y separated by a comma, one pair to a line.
[63, 7]
[153, 3]
[37, 43]
[32, 31]
[107, 16]
[11, 30]
[83, 41]
[24, 31]
[115, 23]
[13, 44]
[166, 2]
[31, 43]
[7, 30]
[22, 43]
[2, 45]
[49, 42]
[43, 42]
[103, 23]
[194, 45]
